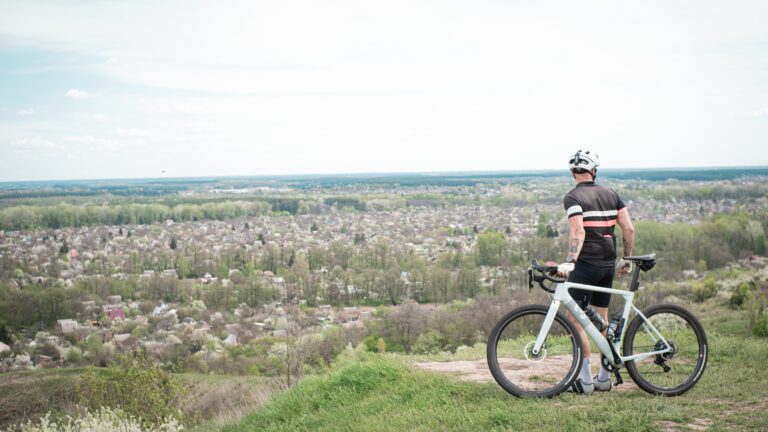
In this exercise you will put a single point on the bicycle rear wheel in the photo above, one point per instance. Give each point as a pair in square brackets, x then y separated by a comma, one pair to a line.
[513, 364]
[675, 372]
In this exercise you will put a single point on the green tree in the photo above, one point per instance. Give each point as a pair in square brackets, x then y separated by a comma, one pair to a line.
[137, 385]
[5, 333]
[490, 248]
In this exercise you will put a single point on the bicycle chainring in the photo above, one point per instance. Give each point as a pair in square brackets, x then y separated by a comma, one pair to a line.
[607, 364]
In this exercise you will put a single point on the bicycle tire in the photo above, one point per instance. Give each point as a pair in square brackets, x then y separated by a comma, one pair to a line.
[511, 376]
[649, 373]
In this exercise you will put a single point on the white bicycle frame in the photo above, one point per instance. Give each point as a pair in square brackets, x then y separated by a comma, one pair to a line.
[562, 296]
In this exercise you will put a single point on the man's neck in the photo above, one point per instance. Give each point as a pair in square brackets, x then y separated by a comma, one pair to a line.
[583, 178]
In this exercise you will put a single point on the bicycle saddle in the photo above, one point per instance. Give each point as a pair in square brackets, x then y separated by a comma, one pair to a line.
[645, 262]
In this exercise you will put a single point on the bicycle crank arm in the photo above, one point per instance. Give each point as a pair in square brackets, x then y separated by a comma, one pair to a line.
[619, 380]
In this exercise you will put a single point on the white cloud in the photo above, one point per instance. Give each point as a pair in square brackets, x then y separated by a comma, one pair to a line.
[88, 145]
[78, 94]
[307, 86]
[27, 112]
[188, 108]
[133, 133]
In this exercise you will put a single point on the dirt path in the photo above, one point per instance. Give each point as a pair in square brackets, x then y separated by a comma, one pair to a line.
[477, 370]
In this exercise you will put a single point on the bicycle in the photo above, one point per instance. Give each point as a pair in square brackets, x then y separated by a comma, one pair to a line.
[534, 351]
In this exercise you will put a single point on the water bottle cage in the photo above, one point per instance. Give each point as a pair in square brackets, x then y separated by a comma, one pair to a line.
[616, 336]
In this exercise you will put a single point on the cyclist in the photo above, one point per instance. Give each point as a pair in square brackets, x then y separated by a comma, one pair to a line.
[593, 211]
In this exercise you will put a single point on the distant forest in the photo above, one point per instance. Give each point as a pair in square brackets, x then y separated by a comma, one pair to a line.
[155, 187]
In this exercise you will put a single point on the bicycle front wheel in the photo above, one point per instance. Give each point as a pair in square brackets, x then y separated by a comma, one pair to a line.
[677, 371]
[511, 360]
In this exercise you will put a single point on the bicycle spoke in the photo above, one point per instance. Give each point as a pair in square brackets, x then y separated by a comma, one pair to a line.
[528, 372]
[674, 370]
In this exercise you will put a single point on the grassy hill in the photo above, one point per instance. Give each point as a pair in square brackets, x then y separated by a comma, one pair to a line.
[211, 400]
[371, 392]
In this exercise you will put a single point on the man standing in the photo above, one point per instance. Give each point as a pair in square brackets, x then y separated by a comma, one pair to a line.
[593, 211]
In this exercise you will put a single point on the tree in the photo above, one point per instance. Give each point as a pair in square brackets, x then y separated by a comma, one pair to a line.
[5, 334]
[490, 248]
[137, 385]
[173, 243]
[551, 232]
[64, 248]
[407, 324]
[314, 227]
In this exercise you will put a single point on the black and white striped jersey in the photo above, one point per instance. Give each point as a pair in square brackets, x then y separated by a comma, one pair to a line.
[600, 207]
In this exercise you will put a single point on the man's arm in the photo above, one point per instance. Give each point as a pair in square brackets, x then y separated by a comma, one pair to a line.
[575, 237]
[627, 230]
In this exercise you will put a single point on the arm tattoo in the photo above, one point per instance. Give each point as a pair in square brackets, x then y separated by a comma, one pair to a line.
[574, 249]
[628, 243]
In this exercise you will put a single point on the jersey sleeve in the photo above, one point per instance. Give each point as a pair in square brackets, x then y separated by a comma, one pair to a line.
[619, 203]
[572, 206]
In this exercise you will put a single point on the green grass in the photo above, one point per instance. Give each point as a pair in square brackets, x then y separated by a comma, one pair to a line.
[29, 395]
[212, 400]
[371, 392]
[385, 393]
[718, 318]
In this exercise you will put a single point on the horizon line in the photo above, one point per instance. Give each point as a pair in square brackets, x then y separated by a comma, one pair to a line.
[383, 174]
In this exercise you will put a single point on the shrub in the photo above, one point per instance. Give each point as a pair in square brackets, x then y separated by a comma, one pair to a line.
[137, 385]
[704, 290]
[50, 351]
[740, 294]
[428, 343]
[5, 333]
[381, 346]
[760, 327]
[755, 306]
[96, 351]
[74, 356]
[103, 420]
[371, 343]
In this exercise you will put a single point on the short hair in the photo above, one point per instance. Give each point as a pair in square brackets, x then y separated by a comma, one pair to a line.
[580, 171]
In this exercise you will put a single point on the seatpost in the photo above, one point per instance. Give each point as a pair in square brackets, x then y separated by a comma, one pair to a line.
[635, 285]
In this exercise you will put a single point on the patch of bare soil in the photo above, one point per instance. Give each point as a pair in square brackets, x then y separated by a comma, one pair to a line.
[477, 370]
[696, 424]
[748, 409]
[701, 424]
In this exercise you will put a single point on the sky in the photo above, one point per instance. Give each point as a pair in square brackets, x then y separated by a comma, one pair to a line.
[128, 89]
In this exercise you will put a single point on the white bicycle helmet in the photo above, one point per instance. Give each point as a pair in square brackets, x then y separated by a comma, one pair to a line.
[586, 160]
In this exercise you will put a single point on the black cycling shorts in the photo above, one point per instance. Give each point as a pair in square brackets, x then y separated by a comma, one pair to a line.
[591, 274]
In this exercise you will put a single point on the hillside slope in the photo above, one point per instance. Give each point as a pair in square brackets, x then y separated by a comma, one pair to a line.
[385, 393]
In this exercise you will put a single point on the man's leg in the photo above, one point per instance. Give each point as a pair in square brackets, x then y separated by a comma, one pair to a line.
[583, 274]
[584, 342]
[585, 374]
[603, 374]
[601, 303]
